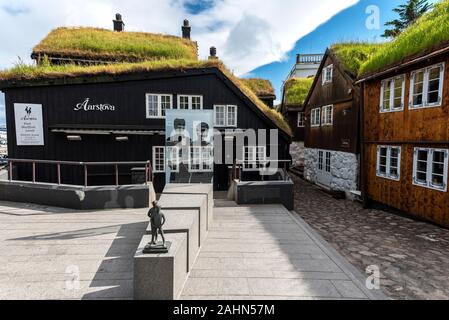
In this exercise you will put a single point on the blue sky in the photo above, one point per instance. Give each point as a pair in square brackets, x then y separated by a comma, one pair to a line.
[253, 38]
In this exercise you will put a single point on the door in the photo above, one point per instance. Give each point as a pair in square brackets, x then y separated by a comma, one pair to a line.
[324, 176]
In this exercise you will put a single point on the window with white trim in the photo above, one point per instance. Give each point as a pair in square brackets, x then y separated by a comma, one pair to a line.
[301, 120]
[392, 94]
[327, 166]
[201, 159]
[320, 160]
[327, 115]
[254, 157]
[225, 116]
[324, 160]
[190, 102]
[315, 117]
[430, 168]
[327, 74]
[158, 159]
[426, 87]
[173, 158]
[389, 162]
[157, 104]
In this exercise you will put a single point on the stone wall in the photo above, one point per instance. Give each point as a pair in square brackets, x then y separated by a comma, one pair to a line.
[297, 153]
[344, 169]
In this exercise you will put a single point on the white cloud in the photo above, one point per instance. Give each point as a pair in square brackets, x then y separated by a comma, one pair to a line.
[247, 33]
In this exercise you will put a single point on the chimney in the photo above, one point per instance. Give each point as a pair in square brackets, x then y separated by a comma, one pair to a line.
[119, 25]
[213, 53]
[186, 29]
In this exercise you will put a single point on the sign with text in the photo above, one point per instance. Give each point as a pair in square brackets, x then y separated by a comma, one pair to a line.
[29, 124]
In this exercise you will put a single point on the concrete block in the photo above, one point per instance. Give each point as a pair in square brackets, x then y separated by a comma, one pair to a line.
[196, 189]
[161, 276]
[174, 202]
[183, 221]
[265, 192]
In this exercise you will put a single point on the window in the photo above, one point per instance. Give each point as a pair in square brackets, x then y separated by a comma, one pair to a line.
[328, 162]
[327, 115]
[392, 94]
[301, 120]
[315, 118]
[159, 159]
[426, 87]
[157, 104]
[389, 162]
[173, 158]
[327, 74]
[324, 160]
[320, 160]
[225, 116]
[254, 157]
[430, 168]
[187, 102]
[201, 159]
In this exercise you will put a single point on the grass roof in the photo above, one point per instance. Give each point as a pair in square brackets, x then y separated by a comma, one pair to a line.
[354, 54]
[426, 34]
[101, 44]
[261, 87]
[46, 71]
[296, 90]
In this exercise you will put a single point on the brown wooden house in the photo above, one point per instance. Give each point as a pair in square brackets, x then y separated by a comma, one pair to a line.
[332, 107]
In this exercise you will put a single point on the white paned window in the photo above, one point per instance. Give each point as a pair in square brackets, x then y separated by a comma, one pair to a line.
[315, 117]
[159, 159]
[225, 116]
[327, 74]
[389, 162]
[201, 159]
[157, 104]
[430, 168]
[195, 159]
[426, 87]
[301, 120]
[173, 158]
[327, 116]
[254, 157]
[327, 166]
[189, 102]
[320, 160]
[392, 94]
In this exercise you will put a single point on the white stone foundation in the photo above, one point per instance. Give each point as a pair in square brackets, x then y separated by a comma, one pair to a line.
[297, 153]
[344, 169]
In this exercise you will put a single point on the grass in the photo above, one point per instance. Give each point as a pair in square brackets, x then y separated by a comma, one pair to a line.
[427, 33]
[46, 71]
[93, 43]
[354, 54]
[296, 90]
[261, 87]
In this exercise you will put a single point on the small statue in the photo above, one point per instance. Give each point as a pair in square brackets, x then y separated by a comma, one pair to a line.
[157, 220]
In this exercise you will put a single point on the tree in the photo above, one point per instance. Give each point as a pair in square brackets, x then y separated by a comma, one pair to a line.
[408, 13]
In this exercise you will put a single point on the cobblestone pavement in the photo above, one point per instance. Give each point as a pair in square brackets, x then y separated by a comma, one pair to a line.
[413, 256]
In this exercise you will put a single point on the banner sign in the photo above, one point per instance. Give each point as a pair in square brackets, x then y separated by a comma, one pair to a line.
[29, 124]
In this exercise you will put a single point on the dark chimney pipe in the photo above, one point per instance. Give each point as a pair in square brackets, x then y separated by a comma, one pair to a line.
[213, 53]
[186, 29]
[119, 25]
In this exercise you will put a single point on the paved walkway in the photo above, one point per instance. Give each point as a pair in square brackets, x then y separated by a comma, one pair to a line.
[264, 252]
[413, 256]
[44, 250]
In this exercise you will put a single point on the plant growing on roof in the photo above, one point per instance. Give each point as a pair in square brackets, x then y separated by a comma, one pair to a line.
[408, 14]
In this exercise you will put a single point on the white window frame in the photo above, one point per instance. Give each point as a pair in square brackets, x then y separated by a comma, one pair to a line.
[324, 115]
[388, 166]
[327, 161]
[425, 103]
[159, 104]
[189, 101]
[172, 157]
[301, 119]
[226, 118]
[314, 116]
[258, 158]
[327, 71]
[391, 98]
[200, 160]
[429, 173]
[156, 162]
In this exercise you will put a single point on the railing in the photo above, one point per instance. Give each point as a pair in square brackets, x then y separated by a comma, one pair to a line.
[309, 58]
[149, 175]
[238, 167]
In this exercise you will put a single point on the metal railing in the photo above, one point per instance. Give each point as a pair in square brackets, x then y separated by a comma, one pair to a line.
[239, 166]
[309, 58]
[149, 174]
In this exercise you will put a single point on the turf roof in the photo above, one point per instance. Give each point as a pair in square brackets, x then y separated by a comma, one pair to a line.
[353, 55]
[25, 73]
[428, 33]
[261, 87]
[296, 90]
[102, 44]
